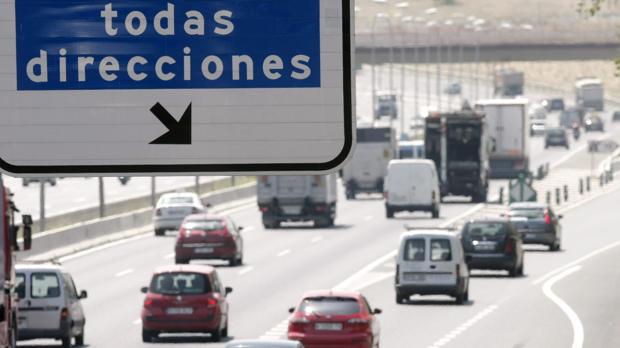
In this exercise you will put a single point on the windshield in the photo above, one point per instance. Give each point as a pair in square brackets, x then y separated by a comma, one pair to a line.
[485, 231]
[180, 284]
[178, 200]
[528, 213]
[323, 306]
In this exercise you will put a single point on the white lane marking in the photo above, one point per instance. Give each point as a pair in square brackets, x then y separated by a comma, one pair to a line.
[124, 273]
[463, 327]
[137, 322]
[573, 263]
[368, 218]
[574, 152]
[103, 247]
[168, 256]
[362, 272]
[284, 252]
[80, 200]
[246, 270]
[248, 229]
[279, 331]
[572, 316]
[316, 239]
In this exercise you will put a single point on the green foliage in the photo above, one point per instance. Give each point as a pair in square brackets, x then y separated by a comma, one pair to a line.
[590, 7]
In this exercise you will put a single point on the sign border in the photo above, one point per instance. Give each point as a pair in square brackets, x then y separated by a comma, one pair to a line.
[347, 56]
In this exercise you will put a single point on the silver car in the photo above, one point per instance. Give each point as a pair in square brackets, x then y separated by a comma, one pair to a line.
[264, 344]
[172, 208]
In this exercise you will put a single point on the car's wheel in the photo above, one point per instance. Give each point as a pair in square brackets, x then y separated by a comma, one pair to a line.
[232, 262]
[240, 260]
[401, 299]
[466, 295]
[225, 330]
[460, 298]
[389, 213]
[66, 342]
[435, 213]
[216, 335]
[148, 336]
[79, 340]
[514, 271]
[555, 246]
[520, 272]
[181, 261]
[159, 232]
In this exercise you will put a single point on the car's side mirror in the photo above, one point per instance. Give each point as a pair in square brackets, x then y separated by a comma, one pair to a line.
[560, 216]
[144, 289]
[228, 290]
[291, 310]
[377, 311]
[27, 222]
[209, 205]
[240, 228]
[83, 295]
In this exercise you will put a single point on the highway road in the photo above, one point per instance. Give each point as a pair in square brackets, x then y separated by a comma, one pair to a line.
[280, 265]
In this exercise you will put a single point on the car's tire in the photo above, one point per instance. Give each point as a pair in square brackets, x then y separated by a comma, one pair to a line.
[232, 262]
[240, 260]
[225, 330]
[513, 272]
[555, 246]
[466, 295]
[435, 213]
[181, 261]
[216, 336]
[389, 213]
[460, 298]
[401, 299]
[159, 232]
[79, 340]
[148, 336]
[66, 342]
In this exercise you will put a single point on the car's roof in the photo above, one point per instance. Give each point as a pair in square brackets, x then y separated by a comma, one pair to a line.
[429, 233]
[262, 343]
[179, 194]
[202, 269]
[491, 220]
[201, 217]
[40, 267]
[528, 205]
[332, 293]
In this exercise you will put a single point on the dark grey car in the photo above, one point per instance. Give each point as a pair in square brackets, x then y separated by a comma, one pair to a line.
[537, 224]
[556, 137]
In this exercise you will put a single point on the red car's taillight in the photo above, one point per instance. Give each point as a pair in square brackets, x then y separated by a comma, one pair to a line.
[547, 217]
[64, 314]
[298, 324]
[211, 302]
[358, 324]
[510, 247]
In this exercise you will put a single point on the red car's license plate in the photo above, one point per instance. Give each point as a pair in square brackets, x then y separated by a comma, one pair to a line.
[328, 326]
[180, 311]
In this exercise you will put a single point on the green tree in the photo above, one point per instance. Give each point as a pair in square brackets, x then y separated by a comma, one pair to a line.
[592, 8]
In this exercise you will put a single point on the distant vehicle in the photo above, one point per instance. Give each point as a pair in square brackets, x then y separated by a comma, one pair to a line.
[508, 82]
[264, 344]
[172, 208]
[594, 122]
[49, 304]
[589, 93]
[386, 104]
[185, 299]
[537, 112]
[412, 185]
[431, 262]
[493, 244]
[537, 224]
[509, 129]
[209, 237]
[453, 89]
[616, 116]
[457, 142]
[537, 127]
[124, 179]
[283, 198]
[334, 319]
[411, 149]
[570, 116]
[364, 173]
[553, 104]
[556, 136]
[28, 181]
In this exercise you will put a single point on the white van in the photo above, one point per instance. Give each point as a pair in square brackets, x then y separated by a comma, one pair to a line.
[412, 185]
[431, 262]
[49, 304]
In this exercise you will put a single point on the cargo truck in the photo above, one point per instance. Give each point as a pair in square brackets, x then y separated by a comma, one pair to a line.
[508, 128]
[508, 82]
[457, 143]
[297, 198]
[365, 171]
[589, 94]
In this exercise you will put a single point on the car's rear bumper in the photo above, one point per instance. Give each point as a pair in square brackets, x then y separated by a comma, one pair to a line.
[538, 238]
[491, 261]
[168, 223]
[219, 253]
[31, 333]
[176, 324]
[331, 341]
[421, 289]
[409, 207]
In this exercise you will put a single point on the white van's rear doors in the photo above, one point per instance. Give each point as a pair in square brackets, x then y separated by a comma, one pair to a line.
[43, 301]
[428, 261]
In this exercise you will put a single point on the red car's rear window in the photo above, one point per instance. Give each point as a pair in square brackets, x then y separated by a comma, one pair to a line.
[180, 284]
[329, 306]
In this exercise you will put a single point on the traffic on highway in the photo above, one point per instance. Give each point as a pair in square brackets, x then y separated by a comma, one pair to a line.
[229, 175]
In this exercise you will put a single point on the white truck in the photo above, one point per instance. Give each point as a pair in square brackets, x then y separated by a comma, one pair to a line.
[365, 171]
[508, 128]
[290, 198]
[589, 94]
[508, 82]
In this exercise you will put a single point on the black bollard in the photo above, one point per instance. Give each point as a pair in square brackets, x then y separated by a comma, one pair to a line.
[558, 198]
[581, 186]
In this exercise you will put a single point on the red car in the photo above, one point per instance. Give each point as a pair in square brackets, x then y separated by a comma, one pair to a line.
[329, 319]
[188, 298]
[209, 237]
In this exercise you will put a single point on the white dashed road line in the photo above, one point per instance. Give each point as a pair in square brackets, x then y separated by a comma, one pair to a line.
[368, 218]
[168, 256]
[463, 327]
[570, 313]
[284, 252]
[137, 322]
[246, 270]
[124, 273]
[316, 239]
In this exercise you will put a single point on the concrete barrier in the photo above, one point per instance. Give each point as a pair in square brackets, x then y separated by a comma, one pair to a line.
[44, 242]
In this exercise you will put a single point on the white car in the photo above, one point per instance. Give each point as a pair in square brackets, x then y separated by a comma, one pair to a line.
[172, 208]
[49, 304]
[431, 262]
[412, 185]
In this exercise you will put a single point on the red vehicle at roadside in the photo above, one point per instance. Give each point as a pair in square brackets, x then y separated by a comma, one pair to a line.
[328, 319]
[209, 237]
[185, 298]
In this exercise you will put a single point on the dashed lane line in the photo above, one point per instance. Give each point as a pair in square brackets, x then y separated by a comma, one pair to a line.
[124, 273]
[284, 253]
[246, 270]
[463, 327]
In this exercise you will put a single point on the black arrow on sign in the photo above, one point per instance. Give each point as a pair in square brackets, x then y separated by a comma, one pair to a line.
[179, 132]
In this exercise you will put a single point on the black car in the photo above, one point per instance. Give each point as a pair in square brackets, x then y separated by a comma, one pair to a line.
[556, 137]
[593, 122]
[616, 116]
[554, 104]
[537, 224]
[493, 244]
